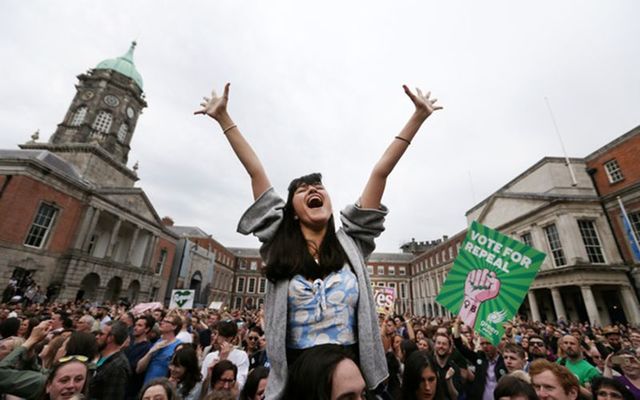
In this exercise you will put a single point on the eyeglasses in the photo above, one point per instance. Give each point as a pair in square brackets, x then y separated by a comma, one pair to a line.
[536, 344]
[82, 359]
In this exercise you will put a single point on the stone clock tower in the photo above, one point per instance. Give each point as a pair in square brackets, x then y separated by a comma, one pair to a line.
[96, 132]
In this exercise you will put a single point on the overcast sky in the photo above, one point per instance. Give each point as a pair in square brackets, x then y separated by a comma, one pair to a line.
[316, 86]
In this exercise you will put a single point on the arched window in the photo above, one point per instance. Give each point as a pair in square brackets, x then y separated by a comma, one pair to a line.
[102, 122]
[78, 116]
[123, 132]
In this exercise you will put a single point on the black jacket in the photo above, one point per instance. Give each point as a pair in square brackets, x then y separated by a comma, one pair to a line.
[481, 362]
[111, 378]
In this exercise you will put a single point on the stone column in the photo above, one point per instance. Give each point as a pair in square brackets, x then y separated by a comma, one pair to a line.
[533, 305]
[92, 228]
[148, 254]
[81, 233]
[557, 303]
[112, 239]
[630, 304]
[132, 246]
[590, 304]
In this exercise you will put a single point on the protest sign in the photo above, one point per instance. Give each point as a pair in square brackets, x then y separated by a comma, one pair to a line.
[489, 279]
[182, 298]
[384, 298]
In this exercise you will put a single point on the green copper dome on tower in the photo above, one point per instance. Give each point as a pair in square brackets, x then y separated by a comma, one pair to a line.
[124, 65]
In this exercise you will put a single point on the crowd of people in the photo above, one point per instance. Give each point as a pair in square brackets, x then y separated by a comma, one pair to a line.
[320, 336]
[77, 350]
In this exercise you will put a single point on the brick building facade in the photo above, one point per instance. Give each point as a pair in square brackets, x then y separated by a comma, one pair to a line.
[71, 220]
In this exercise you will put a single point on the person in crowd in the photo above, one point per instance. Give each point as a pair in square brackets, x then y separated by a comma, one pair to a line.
[552, 381]
[222, 376]
[488, 362]
[538, 349]
[102, 315]
[86, 323]
[510, 387]
[159, 314]
[302, 251]
[213, 343]
[227, 331]
[184, 335]
[634, 338]
[514, 357]
[449, 378]
[68, 377]
[423, 344]
[112, 372]
[325, 372]
[613, 339]
[629, 364]
[257, 356]
[575, 362]
[156, 361]
[60, 322]
[420, 380]
[256, 384]
[159, 389]
[8, 345]
[135, 351]
[29, 383]
[49, 352]
[388, 334]
[603, 388]
[9, 327]
[185, 374]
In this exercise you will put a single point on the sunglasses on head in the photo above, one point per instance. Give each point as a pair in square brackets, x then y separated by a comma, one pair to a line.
[82, 359]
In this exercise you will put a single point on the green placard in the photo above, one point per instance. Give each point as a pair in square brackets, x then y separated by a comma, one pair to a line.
[489, 279]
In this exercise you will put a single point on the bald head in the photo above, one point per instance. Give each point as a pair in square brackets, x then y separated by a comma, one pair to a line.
[571, 347]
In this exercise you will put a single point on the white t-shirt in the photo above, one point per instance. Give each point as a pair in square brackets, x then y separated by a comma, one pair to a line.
[238, 357]
[185, 337]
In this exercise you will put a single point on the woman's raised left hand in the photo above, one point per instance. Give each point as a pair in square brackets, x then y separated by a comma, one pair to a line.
[424, 104]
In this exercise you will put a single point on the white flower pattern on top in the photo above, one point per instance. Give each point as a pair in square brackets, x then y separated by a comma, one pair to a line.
[322, 311]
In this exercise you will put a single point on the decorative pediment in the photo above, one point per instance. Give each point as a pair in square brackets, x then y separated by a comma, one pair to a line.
[502, 208]
[133, 200]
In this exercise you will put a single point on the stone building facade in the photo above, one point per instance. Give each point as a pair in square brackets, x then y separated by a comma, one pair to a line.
[584, 276]
[71, 219]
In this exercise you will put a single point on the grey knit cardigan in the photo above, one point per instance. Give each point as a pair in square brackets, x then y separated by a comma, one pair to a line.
[359, 229]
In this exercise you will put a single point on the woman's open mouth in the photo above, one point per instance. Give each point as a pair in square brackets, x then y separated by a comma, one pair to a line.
[314, 201]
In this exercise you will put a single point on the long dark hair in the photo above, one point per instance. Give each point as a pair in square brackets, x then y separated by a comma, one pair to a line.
[186, 357]
[415, 364]
[289, 253]
[253, 381]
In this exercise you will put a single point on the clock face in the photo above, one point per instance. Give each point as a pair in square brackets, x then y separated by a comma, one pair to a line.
[130, 112]
[111, 100]
[87, 95]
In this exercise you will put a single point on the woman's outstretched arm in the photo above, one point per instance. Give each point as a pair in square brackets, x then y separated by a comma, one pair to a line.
[216, 108]
[372, 194]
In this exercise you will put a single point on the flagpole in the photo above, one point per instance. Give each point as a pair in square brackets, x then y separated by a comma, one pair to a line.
[574, 182]
[628, 221]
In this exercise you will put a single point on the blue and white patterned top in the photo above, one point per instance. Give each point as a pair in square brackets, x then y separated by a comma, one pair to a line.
[323, 311]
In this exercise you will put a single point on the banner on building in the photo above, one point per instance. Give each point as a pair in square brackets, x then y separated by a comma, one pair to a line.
[489, 279]
[384, 298]
[182, 298]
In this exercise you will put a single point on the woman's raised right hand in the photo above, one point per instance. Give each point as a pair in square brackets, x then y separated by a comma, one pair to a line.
[215, 106]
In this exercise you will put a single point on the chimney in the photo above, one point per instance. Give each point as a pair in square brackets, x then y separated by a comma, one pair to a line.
[167, 221]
